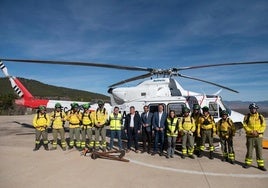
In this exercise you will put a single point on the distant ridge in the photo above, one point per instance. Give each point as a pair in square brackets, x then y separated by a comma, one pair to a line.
[242, 106]
[41, 90]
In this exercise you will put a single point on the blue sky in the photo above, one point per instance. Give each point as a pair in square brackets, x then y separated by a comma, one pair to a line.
[155, 34]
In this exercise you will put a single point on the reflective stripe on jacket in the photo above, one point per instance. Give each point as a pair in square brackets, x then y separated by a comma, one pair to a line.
[115, 122]
[172, 126]
[254, 124]
[41, 121]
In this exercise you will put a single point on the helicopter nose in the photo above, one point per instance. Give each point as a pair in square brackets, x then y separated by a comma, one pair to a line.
[110, 90]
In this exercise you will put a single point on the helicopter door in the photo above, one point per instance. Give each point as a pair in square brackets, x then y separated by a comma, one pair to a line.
[214, 109]
[177, 107]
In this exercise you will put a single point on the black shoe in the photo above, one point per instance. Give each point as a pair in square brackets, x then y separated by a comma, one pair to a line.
[167, 157]
[143, 151]
[232, 161]
[153, 153]
[70, 147]
[183, 156]
[246, 166]
[37, 146]
[161, 154]
[211, 156]
[64, 148]
[262, 168]
[46, 147]
[200, 155]
[191, 156]
[171, 156]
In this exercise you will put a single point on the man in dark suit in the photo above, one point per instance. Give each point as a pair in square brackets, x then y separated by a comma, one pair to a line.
[146, 120]
[132, 128]
[159, 124]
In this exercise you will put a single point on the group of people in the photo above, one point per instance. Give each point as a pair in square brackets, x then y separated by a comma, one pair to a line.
[194, 129]
[85, 123]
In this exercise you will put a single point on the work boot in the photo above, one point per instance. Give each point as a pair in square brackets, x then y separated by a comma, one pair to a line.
[46, 147]
[246, 166]
[262, 168]
[211, 156]
[200, 155]
[191, 156]
[70, 147]
[37, 146]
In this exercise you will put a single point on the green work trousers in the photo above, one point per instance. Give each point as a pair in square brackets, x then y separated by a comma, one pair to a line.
[254, 142]
[38, 135]
[206, 134]
[75, 132]
[55, 133]
[100, 131]
[86, 132]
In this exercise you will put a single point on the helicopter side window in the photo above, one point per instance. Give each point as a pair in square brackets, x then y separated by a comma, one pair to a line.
[214, 109]
[177, 107]
[154, 107]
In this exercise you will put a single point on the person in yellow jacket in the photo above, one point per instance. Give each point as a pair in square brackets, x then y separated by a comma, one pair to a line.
[206, 129]
[115, 127]
[100, 121]
[187, 128]
[41, 122]
[226, 132]
[172, 130]
[254, 125]
[74, 117]
[196, 114]
[58, 118]
[87, 127]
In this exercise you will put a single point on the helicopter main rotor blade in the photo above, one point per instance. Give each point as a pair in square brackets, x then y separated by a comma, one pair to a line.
[221, 64]
[208, 82]
[132, 79]
[79, 63]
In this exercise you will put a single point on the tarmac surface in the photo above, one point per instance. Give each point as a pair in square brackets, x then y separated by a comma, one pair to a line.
[20, 166]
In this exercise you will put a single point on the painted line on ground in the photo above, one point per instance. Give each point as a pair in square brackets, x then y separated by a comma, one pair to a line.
[198, 172]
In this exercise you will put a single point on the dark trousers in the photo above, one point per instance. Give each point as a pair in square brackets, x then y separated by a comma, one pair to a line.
[132, 135]
[159, 138]
[146, 137]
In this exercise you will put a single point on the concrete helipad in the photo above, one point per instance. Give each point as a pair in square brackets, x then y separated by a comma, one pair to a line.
[21, 167]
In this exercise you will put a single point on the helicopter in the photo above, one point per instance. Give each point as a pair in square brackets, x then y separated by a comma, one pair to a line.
[163, 89]
[26, 98]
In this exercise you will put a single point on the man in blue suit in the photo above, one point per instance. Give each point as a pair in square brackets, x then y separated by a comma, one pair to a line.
[146, 120]
[159, 125]
[132, 128]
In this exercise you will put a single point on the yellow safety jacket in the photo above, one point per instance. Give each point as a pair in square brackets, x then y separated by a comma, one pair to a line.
[206, 123]
[87, 119]
[187, 124]
[41, 121]
[254, 122]
[172, 126]
[74, 119]
[57, 119]
[100, 116]
[225, 128]
[115, 122]
[196, 119]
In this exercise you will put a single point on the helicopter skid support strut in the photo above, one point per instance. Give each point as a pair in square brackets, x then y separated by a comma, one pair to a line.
[110, 155]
